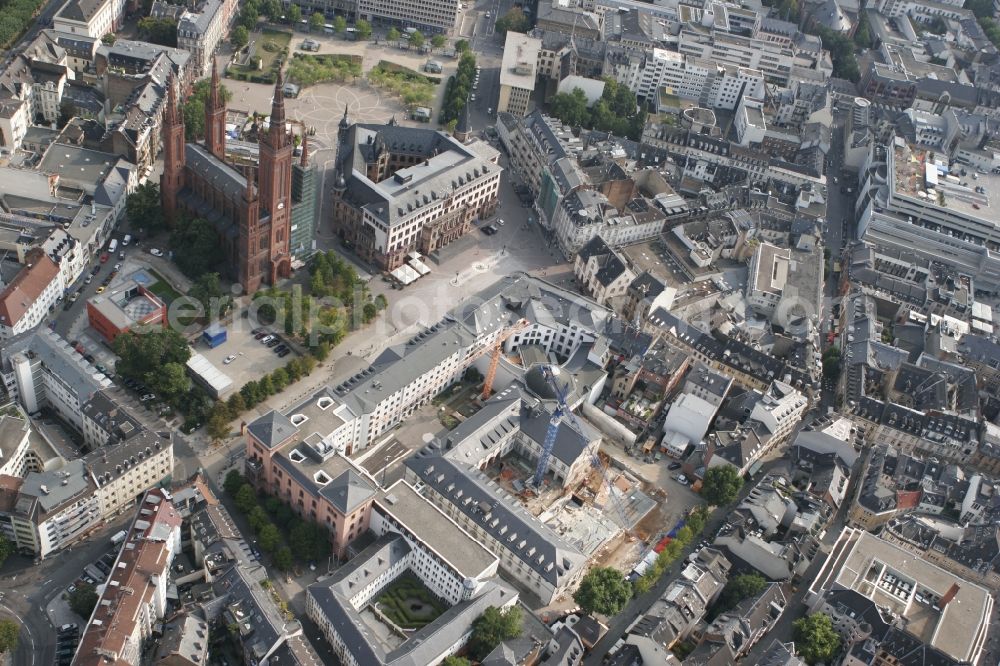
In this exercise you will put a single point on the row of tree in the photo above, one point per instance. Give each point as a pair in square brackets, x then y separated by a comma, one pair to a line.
[254, 392]
[831, 362]
[269, 537]
[458, 88]
[616, 111]
[673, 550]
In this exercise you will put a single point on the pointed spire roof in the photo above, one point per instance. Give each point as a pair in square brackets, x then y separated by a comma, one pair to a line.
[344, 122]
[305, 147]
[171, 110]
[213, 94]
[278, 105]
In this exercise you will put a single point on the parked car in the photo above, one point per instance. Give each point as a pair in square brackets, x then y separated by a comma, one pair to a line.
[273, 342]
[266, 339]
[230, 359]
[100, 290]
[90, 278]
[155, 252]
[280, 348]
[674, 465]
[147, 397]
[104, 257]
[283, 354]
[259, 335]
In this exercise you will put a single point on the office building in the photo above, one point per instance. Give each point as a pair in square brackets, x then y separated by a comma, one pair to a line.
[936, 608]
[518, 71]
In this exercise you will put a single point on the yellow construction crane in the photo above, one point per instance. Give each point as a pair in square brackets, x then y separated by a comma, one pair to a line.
[491, 373]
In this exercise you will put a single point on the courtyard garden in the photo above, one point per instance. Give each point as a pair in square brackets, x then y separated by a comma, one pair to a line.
[260, 60]
[409, 604]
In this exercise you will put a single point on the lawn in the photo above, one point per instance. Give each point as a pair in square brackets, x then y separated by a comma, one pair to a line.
[409, 604]
[308, 70]
[163, 289]
[412, 87]
[270, 47]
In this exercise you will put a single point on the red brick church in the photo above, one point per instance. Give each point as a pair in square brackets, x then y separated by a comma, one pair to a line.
[252, 216]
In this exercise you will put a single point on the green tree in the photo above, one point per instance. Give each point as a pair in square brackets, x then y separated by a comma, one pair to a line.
[268, 538]
[462, 46]
[140, 354]
[144, 208]
[207, 290]
[246, 499]
[339, 24]
[317, 21]
[455, 660]
[283, 559]
[570, 108]
[6, 549]
[815, 638]
[236, 405]
[831, 362]
[196, 247]
[842, 53]
[83, 599]
[249, 15]
[300, 540]
[721, 485]
[492, 628]
[9, 632]
[513, 21]
[363, 30]
[218, 422]
[603, 590]
[233, 483]
[240, 37]
[257, 518]
[438, 41]
[417, 39]
[272, 10]
[392, 35]
[109, 39]
[738, 588]
[162, 31]
[294, 15]
[370, 311]
[169, 381]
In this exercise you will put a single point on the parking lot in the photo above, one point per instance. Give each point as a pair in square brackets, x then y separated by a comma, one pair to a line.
[252, 359]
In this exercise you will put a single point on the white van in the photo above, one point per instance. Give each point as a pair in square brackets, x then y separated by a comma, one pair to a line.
[126, 240]
[113, 245]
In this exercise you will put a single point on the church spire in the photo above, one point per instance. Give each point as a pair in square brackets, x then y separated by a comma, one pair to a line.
[305, 147]
[277, 132]
[215, 118]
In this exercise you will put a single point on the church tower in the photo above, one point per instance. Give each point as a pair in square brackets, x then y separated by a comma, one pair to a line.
[250, 239]
[172, 179]
[274, 182]
[215, 118]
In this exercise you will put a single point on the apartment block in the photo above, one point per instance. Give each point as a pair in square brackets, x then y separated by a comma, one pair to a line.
[26, 300]
[134, 599]
[200, 28]
[41, 369]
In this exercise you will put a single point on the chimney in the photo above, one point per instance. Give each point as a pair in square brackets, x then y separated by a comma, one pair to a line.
[949, 595]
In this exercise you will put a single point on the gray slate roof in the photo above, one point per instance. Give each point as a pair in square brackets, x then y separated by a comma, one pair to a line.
[272, 428]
